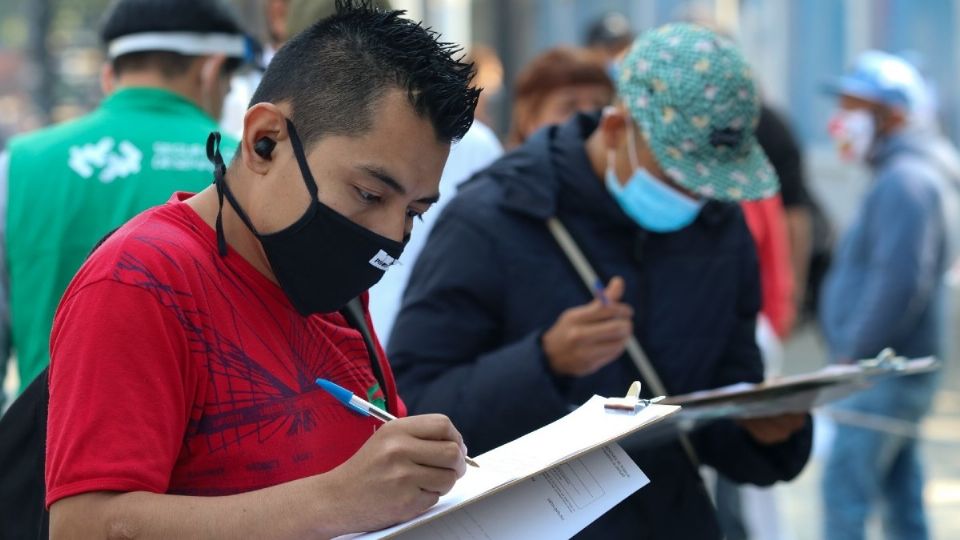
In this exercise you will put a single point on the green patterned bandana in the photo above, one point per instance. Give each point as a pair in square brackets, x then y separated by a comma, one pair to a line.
[692, 94]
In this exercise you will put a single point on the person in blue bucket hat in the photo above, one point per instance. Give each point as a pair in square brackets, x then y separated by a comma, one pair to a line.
[886, 289]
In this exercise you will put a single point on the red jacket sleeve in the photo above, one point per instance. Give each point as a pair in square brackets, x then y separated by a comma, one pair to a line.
[767, 222]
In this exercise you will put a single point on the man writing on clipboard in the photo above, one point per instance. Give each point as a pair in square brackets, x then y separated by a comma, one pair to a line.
[184, 352]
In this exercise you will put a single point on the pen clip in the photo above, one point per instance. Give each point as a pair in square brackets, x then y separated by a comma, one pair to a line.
[632, 402]
[358, 409]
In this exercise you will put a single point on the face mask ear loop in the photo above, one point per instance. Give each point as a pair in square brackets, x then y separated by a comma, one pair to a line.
[219, 175]
[305, 171]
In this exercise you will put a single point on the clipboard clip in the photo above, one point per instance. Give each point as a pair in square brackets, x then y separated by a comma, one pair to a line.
[887, 359]
[631, 402]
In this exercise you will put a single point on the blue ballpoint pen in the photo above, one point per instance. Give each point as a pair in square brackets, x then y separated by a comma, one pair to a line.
[352, 402]
[600, 292]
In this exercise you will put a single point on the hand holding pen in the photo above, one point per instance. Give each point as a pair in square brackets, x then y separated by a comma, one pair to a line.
[586, 338]
[365, 408]
[399, 472]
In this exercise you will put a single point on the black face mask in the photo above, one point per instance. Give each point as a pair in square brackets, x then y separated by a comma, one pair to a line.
[323, 260]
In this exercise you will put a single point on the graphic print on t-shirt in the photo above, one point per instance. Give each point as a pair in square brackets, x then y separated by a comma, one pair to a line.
[259, 414]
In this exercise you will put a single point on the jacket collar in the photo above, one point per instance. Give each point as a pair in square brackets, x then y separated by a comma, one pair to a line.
[531, 179]
[910, 139]
[927, 143]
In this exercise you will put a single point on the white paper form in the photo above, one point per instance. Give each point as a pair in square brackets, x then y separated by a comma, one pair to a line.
[588, 428]
[557, 503]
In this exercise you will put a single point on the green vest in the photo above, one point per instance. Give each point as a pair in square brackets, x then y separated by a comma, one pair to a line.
[69, 185]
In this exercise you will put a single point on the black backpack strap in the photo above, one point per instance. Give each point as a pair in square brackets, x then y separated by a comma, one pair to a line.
[23, 449]
[353, 312]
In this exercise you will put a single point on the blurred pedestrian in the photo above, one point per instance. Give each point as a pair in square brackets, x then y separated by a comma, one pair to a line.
[244, 83]
[555, 85]
[489, 77]
[886, 289]
[799, 209]
[277, 19]
[499, 332]
[610, 36]
[66, 186]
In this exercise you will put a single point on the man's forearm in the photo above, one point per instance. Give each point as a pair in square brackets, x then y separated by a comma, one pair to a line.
[306, 508]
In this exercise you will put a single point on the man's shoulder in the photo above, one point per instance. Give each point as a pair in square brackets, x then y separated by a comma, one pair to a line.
[485, 193]
[479, 197]
[908, 178]
[161, 240]
[480, 192]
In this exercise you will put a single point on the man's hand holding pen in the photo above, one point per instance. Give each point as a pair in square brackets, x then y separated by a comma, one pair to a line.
[588, 337]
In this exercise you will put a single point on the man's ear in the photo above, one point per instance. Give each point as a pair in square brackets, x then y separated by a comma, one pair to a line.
[108, 79]
[264, 126]
[613, 126]
[211, 70]
[212, 89]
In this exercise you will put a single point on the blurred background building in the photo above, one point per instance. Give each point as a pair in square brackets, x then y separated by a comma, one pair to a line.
[49, 55]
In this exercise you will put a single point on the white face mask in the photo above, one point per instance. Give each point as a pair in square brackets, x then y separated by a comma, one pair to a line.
[854, 132]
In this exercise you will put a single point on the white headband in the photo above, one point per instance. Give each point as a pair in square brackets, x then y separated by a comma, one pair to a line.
[186, 43]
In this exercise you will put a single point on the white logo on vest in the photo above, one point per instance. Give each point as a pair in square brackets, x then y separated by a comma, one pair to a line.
[112, 162]
[180, 157]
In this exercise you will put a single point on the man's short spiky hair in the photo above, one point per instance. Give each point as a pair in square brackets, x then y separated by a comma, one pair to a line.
[334, 72]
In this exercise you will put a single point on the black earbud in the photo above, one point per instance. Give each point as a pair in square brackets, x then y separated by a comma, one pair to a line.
[264, 147]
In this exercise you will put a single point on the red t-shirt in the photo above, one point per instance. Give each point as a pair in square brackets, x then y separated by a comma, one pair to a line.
[174, 370]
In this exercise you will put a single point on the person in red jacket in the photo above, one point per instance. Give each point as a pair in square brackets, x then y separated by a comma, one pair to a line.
[766, 220]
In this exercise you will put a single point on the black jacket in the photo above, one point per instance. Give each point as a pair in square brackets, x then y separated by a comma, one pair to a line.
[491, 280]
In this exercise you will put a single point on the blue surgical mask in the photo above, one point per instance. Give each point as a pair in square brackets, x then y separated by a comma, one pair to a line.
[653, 204]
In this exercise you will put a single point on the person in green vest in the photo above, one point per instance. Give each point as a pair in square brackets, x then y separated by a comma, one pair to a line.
[65, 187]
